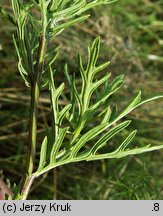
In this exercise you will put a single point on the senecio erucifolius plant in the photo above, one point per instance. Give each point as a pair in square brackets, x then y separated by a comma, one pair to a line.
[36, 23]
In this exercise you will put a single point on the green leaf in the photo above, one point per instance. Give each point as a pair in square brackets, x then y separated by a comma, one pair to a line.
[101, 67]
[67, 75]
[62, 113]
[69, 11]
[94, 3]
[52, 55]
[87, 137]
[113, 87]
[130, 107]
[23, 73]
[107, 115]
[108, 135]
[93, 53]
[43, 154]
[149, 100]
[67, 24]
[137, 151]
[96, 84]
[117, 152]
[72, 95]
[126, 142]
[76, 94]
[57, 144]
[54, 4]
[121, 154]
[55, 93]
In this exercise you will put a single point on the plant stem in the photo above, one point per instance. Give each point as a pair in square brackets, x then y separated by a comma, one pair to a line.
[26, 186]
[35, 90]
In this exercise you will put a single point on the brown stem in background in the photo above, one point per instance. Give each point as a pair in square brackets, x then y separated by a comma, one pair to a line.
[4, 189]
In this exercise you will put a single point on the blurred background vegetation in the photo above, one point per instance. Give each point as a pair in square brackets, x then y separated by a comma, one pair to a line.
[132, 39]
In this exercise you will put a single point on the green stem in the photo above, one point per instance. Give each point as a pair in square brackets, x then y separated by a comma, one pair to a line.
[35, 90]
